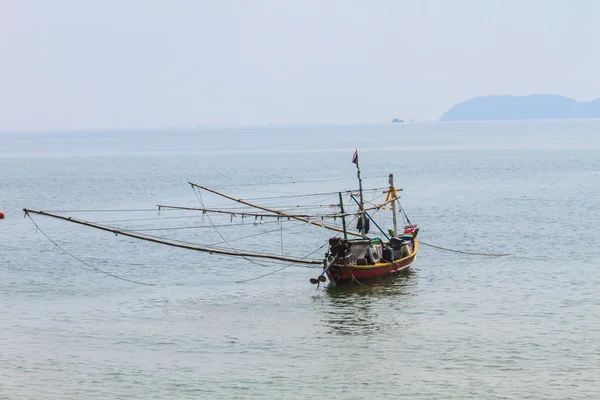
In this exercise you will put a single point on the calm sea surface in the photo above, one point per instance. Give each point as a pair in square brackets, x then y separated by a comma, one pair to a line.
[456, 327]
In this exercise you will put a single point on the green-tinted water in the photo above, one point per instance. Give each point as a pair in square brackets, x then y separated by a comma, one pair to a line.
[455, 327]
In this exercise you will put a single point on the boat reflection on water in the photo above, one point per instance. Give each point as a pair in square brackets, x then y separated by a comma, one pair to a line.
[387, 286]
[369, 308]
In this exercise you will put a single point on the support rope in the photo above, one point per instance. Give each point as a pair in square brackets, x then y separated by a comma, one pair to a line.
[201, 200]
[282, 268]
[294, 182]
[85, 263]
[466, 252]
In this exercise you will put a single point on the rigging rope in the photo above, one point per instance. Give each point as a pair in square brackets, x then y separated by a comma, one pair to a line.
[287, 229]
[294, 182]
[355, 280]
[85, 263]
[183, 242]
[199, 196]
[296, 195]
[282, 268]
[465, 252]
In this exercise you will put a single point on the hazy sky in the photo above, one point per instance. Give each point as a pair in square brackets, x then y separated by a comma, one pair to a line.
[135, 64]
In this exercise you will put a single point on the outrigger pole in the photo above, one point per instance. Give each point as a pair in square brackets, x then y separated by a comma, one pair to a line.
[172, 243]
[249, 214]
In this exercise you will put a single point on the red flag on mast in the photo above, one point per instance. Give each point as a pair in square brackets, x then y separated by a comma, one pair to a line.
[355, 157]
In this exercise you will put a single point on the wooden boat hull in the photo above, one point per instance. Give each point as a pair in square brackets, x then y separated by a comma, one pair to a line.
[340, 273]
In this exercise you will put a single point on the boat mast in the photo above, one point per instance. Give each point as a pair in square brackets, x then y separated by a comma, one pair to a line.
[361, 205]
[393, 195]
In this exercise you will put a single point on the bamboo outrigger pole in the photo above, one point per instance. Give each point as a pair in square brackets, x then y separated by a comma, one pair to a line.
[172, 243]
[249, 214]
[333, 228]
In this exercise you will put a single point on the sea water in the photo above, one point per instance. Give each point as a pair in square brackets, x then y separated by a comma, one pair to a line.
[457, 326]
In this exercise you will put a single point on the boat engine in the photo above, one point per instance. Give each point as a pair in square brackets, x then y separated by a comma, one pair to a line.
[339, 248]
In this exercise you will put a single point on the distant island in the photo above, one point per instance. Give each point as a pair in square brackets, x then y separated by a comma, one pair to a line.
[535, 106]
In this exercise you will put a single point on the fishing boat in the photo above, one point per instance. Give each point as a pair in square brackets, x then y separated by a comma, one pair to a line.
[365, 258]
[353, 255]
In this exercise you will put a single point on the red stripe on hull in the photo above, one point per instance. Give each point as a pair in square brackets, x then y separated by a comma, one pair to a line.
[345, 273]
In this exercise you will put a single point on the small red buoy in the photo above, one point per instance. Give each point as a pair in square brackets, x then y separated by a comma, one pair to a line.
[1, 215]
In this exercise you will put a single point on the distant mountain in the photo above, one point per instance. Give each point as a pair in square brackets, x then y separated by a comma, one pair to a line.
[535, 106]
